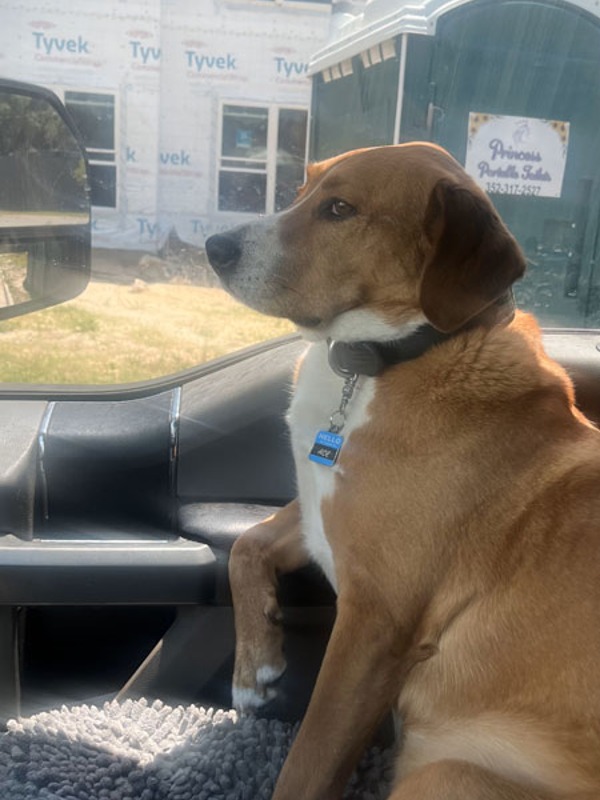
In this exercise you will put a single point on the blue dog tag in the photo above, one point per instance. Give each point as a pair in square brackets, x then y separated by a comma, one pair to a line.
[326, 448]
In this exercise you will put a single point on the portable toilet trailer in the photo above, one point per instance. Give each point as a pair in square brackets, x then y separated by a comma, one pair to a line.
[512, 89]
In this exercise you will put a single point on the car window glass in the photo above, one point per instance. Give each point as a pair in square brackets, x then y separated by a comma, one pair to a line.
[197, 117]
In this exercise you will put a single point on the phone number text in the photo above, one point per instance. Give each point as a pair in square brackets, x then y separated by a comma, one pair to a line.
[498, 187]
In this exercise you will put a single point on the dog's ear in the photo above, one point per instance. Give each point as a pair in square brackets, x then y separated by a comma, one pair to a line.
[473, 258]
[313, 171]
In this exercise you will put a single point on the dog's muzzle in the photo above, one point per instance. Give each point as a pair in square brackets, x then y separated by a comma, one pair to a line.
[223, 251]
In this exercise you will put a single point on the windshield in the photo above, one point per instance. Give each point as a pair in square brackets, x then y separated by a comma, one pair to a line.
[198, 116]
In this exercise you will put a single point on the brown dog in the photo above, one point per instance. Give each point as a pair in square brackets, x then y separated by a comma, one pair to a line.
[459, 518]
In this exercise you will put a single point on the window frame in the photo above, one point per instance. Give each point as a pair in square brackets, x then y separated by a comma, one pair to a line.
[61, 91]
[270, 171]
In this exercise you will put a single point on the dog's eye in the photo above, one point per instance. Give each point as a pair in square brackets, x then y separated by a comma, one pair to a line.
[336, 209]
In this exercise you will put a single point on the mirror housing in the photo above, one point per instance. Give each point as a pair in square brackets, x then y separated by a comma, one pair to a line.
[45, 219]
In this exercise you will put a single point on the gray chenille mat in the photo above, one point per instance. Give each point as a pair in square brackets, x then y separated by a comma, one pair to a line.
[141, 750]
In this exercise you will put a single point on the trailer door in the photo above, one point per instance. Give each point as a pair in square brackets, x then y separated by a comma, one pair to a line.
[529, 69]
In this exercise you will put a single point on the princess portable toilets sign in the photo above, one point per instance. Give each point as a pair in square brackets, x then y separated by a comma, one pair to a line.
[517, 155]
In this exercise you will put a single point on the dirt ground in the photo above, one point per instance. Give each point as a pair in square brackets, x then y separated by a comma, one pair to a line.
[141, 317]
[176, 260]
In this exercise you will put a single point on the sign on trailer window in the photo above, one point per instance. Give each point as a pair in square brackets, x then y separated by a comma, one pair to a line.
[517, 155]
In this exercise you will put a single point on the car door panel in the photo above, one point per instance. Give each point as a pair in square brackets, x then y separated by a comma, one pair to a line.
[108, 464]
[234, 443]
[20, 422]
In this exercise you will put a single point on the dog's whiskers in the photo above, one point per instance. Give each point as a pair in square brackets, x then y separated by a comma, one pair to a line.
[280, 282]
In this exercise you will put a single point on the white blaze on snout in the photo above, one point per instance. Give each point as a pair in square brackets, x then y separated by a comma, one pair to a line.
[254, 277]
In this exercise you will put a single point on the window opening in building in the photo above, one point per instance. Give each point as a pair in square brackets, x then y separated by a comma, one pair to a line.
[262, 157]
[94, 115]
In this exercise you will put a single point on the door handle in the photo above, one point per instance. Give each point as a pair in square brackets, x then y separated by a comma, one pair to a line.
[432, 110]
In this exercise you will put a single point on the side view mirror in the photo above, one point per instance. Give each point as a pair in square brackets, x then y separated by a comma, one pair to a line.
[45, 222]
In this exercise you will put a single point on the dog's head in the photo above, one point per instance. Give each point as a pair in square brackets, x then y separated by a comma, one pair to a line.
[393, 235]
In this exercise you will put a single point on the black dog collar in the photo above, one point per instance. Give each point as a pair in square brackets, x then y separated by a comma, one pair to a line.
[372, 358]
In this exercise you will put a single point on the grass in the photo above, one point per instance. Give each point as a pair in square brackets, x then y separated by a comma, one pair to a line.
[116, 333]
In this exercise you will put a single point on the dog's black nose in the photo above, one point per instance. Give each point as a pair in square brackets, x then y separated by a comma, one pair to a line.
[223, 251]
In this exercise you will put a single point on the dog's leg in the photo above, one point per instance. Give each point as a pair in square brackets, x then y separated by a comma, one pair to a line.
[459, 780]
[357, 684]
[273, 547]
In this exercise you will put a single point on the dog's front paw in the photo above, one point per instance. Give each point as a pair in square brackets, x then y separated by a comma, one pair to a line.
[252, 684]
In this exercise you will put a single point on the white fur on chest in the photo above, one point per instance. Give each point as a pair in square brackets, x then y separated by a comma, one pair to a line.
[318, 394]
